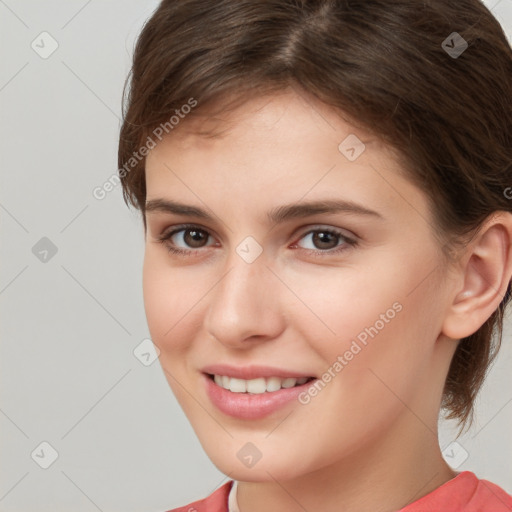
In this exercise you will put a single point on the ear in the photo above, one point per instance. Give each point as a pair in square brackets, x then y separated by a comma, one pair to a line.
[485, 271]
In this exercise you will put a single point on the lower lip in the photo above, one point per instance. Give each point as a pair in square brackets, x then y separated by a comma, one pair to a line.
[252, 406]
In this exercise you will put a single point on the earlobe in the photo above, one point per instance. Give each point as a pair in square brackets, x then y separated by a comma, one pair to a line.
[486, 275]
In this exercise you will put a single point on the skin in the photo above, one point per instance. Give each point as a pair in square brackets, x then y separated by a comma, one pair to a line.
[373, 427]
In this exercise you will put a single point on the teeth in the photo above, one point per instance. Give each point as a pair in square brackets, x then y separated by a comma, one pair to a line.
[257, 386]
[237, 385]
[289, 382]
[273, 384]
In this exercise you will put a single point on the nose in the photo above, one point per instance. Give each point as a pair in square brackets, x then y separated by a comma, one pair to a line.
[244, 305]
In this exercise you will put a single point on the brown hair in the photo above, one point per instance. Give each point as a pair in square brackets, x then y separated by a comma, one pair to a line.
[395, 68]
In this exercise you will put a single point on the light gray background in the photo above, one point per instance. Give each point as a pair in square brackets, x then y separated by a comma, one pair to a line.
[70, 325]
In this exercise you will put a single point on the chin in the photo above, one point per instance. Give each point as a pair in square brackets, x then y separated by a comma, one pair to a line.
[266, 469]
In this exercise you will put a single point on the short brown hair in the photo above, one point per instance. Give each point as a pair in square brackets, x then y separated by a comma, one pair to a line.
[399, 69]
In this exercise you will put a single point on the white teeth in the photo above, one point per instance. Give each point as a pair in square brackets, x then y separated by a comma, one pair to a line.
[258, 385]
[289, 382]
[273, 384]
[237, 385]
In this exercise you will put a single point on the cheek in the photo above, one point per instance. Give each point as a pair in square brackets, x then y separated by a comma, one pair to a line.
[170, 301]
[346, 303]
[377, 321]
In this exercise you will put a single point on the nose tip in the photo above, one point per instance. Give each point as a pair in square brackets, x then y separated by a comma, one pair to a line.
[244, 305]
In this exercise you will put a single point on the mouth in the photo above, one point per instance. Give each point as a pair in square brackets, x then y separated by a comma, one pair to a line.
[255, 398]
[259, 385]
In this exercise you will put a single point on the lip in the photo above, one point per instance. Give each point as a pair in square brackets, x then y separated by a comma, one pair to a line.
[248, 406]
[251, 372]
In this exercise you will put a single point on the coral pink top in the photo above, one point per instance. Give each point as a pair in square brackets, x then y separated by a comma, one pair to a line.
[463, 493]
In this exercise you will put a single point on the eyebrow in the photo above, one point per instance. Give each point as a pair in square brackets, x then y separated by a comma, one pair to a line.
[276, 215]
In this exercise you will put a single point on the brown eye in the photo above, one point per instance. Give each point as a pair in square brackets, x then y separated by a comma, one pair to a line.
[185, 240]
[194, 238]
[325, 240]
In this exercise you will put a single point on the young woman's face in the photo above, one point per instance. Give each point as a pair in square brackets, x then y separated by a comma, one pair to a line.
[274, 280]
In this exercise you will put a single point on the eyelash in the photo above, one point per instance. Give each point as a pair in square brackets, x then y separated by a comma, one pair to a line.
[349, 242]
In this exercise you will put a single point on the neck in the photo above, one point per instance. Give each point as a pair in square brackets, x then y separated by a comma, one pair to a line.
[398, 469]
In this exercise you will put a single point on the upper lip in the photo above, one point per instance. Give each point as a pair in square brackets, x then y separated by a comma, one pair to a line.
[252, 372]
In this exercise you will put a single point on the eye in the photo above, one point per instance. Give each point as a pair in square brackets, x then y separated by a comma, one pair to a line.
[191, 237]
[323, 241]
[188, 240]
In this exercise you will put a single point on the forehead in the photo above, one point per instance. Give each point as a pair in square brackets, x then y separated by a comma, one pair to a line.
[274, 149]
[282, 125]
[273, 112]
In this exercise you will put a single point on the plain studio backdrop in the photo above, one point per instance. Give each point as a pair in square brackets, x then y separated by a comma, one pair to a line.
[86, 422]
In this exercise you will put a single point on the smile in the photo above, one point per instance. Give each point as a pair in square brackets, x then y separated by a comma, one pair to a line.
[255, 398]
[259, 385]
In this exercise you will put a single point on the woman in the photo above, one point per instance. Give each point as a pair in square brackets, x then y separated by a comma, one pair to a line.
[323, 186]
